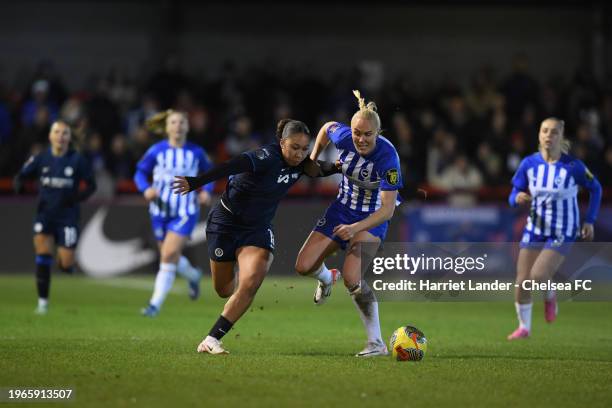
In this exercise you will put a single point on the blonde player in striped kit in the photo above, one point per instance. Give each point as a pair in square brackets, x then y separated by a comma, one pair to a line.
[173, 217]
[548, 181]
[367, 196]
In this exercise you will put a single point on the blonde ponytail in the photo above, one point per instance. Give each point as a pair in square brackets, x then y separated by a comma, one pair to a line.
[156, 124]
[367, 111]
[566, 145]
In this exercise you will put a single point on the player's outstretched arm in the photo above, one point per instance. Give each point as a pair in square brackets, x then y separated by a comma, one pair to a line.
[321, 168]
[321, 141]
[237, 165]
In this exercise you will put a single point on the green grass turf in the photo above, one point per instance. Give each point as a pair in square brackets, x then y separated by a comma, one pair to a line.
[287, 352]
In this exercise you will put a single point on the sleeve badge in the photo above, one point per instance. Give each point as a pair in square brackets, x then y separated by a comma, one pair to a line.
[392, 177]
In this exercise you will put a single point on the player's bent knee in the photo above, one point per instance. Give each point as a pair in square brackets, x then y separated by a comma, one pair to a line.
[224, 293]
[303, 267]
[170, 256]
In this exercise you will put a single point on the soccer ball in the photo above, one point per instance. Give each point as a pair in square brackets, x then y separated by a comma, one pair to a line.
[408, 344]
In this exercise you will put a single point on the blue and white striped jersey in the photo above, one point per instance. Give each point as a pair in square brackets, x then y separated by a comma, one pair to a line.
[364, 177]
[163, 162]
[554, 191]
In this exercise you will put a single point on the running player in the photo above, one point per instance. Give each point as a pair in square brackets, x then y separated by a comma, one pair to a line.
[60, 171]
[360, 214]
[548, 181]
[173, 218]
[239, 229]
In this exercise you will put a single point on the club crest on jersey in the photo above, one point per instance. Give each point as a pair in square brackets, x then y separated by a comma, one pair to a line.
[261, 154]
[45, 169]
[392, 177]
[68, 171]
[364, 173]
[558, 181]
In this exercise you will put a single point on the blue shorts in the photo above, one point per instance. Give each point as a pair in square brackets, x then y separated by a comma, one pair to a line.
[225, 236]
[560, 244]
[179, 225]
[337, 214]
[65, 232]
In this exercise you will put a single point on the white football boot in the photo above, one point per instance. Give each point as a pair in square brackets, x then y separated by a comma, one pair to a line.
[41, 310]
[211, 345]
[373, 349]
[323, 291]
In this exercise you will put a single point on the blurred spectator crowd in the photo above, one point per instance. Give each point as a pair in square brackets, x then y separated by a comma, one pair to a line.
[454, 134]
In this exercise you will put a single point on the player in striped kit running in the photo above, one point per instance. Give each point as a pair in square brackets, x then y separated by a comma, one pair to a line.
[365, 203]
[548, 181]
[173, 217]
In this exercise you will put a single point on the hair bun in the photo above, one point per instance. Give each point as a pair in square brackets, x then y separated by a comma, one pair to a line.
[281, 126]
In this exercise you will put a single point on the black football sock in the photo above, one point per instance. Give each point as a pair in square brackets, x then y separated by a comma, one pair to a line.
[221, 328]
[43, 275]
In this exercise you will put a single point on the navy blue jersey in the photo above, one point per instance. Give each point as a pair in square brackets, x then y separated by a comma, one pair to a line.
[59, 179]
[253, 197]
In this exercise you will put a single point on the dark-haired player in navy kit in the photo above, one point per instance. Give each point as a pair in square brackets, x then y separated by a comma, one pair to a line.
[60, 171]
[239, 227]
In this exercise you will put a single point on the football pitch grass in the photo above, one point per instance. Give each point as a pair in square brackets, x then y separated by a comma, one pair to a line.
[287, 352]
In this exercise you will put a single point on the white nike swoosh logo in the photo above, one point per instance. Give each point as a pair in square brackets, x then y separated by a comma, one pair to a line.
[101, 257]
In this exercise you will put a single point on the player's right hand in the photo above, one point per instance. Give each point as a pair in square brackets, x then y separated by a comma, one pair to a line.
[180, 185]
[523, 198]
[150, 194]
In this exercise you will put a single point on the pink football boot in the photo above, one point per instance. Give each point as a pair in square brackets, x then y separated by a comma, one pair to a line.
[520, 333]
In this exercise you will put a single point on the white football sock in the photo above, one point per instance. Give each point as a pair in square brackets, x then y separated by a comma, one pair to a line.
[322, 274]
[163, 283]
[42, 302]
[523, 312]
[368, 312]
[186, 270]
[549, 294]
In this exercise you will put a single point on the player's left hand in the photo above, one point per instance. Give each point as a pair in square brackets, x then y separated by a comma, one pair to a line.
[588, 232]
[344, 232]
[204, 197]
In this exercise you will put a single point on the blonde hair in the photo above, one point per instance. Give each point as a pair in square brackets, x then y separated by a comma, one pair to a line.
[156, 124]
[367, 111]
[61, 122]
[565, 143]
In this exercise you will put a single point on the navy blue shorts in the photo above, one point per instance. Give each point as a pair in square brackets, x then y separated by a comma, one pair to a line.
[337, 214]
[65, 233]
[560, 244]
[224, 236]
